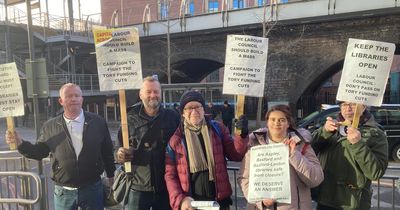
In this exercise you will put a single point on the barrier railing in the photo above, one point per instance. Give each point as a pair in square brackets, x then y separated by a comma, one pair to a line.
[19, 182]
[28, 175]
[393, 180]
[13, 166]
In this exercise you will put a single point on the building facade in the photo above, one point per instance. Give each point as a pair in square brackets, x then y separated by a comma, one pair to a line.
[133, 11]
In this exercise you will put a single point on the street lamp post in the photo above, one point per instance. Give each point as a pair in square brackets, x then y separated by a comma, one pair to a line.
[35, 96]
[169, 49]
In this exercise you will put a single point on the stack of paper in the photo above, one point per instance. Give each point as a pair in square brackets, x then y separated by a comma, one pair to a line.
[205, 205]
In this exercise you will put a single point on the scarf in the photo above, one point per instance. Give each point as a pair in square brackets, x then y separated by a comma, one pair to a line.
[197, 161]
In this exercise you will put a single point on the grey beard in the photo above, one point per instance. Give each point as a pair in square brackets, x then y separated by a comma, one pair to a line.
[153, 104]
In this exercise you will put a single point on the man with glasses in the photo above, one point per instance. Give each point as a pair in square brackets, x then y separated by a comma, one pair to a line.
[150, 128]
[195, 160]
[351, 158]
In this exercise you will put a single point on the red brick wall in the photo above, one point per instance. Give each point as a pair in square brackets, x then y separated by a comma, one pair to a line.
[133, 9]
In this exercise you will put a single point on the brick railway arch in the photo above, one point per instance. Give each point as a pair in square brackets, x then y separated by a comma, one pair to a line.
[310, 98]
[192, 70]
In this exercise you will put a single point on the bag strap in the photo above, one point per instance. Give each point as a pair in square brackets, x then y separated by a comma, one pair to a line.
[154, 127]
[216, 128]
[303, 150]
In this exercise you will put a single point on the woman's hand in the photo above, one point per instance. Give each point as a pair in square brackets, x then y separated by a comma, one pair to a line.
[292, 145]
[186, 204]
[268, 202]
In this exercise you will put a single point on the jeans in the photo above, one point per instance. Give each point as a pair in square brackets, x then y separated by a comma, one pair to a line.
[139, 200]
[89, 197]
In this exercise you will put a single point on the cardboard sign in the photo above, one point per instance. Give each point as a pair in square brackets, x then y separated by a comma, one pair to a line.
[11, 95]
[365, 72]
[118, 58]
[269, 175]
[245, 62]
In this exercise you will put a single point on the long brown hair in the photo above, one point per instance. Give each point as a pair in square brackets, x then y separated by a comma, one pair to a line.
[286, 111]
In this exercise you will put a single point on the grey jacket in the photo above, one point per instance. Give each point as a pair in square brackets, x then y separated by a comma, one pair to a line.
[305, 173]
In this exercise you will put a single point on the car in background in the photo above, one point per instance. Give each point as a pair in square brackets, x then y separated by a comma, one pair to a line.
[387, 115]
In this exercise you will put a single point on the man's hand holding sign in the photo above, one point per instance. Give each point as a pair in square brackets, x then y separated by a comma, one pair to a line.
[354, 142]
[245, 63]
[11, 100]
[119, 68]
[365, 73]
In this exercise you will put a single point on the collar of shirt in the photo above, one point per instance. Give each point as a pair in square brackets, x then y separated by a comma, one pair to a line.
[78, 119]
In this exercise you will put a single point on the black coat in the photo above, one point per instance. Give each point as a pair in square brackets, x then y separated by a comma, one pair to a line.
[149, 137]
[95, 157]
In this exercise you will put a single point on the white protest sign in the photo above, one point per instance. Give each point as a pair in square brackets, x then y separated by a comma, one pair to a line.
[269, 175]
[365, 72]
[245, 62]
[11, 95]
[118, 58]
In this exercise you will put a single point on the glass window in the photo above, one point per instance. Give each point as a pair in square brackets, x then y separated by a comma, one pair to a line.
[213, 6]
[191, 7]
[237, 4]
[261, 2]
[394, 117]
[163, 10]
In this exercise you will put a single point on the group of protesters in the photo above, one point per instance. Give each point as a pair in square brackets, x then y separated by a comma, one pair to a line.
[180, 157]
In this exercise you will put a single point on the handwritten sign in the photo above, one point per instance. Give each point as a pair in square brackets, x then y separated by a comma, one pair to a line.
[365, 72]
[11, 95]
[245, 62]
[118, 58]
[269, 173]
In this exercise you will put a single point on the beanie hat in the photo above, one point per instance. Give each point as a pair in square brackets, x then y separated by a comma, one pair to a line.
[189, 96]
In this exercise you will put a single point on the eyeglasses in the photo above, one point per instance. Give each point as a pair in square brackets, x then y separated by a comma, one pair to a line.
[190, 109]
[350, 105]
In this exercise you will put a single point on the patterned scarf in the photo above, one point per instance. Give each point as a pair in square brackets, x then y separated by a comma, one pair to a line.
[197, 161]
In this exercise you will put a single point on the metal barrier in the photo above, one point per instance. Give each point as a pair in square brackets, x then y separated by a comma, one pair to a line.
[19, 181]
[13, 165]
[27, 175]
[392, 178]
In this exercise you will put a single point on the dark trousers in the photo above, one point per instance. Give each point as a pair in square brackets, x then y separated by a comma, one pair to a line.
[139, 200]
[228, 123]
[322, 207]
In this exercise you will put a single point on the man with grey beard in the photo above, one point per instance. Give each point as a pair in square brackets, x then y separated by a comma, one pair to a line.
[150, 127]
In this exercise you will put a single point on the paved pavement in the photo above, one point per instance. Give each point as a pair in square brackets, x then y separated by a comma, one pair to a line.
[386, 190]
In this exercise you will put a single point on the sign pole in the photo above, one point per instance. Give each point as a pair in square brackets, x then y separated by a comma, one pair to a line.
[124, 126]
[357, 115]
[239, 110]
[10, 127]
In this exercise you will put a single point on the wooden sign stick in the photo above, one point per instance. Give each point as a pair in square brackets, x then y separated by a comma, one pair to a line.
[357, 115]
[11, 127]
[124, 126]
[239, 110]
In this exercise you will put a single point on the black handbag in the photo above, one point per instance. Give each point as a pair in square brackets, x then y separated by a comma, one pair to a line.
[122, 185]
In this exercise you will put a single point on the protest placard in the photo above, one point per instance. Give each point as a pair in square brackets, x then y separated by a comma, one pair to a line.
[245, 62]
[269, 175]
[11, 95]
[118, 58]
[365, 72]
